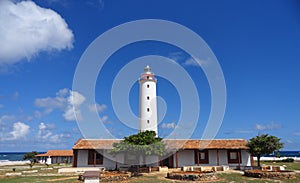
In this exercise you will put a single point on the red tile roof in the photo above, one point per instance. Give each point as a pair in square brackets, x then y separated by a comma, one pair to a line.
[170, 143]
[57, 153]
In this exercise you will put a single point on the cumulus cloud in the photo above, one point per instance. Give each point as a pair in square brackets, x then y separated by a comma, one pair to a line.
[45, 134]
[97, 107]
[59, 137]
[169, 125]
[72, 111]
[272, 126]
[27, 29]
[65, 100]
[45, 131]
[20, 130]
[60, 101]
[70, 103]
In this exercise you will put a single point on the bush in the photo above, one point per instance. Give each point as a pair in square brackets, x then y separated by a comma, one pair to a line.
[288, 160]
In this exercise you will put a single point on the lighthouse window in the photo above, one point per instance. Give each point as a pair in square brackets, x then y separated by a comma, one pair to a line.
[148, 121]
[148, 109]
[147, 77]
[148, 86]
[148, 97]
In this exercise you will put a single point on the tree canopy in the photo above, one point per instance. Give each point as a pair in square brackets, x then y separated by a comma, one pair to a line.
[263, 144]
[141, 144]
[30, 156]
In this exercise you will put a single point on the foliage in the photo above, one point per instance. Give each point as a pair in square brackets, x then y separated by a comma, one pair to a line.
[263, 144]
[141, 144]
[288, 160]
[30, 156]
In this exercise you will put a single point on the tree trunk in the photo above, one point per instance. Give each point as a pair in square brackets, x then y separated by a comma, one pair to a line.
[258, 160]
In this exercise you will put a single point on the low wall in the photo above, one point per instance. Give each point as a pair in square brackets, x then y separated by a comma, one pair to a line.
[192, 176]
[205, 168]
[80, 170]
[271, 174]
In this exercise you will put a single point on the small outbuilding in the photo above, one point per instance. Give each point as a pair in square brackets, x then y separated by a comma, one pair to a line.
[56, 156]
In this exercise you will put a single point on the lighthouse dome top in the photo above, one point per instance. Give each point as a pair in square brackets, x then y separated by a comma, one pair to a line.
[147, 69]
[147, 75]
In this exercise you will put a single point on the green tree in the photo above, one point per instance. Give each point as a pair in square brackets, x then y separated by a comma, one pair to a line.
[263, 144]
[141, 144]
[30, 156]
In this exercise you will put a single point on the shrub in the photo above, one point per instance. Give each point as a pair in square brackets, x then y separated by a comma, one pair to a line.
[288, 160]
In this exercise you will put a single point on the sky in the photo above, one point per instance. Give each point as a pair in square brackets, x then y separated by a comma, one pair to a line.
[44, 44]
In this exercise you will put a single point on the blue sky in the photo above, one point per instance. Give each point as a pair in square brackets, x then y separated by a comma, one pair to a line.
[256, 43]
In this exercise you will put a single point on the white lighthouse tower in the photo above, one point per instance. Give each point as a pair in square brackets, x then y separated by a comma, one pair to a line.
[148, 104]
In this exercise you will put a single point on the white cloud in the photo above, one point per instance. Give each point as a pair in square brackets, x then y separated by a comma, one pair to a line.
[272, 126]
[104, 119]
[169, 125]
[66, 100]
[194, 62]
[28, 29]
[45, 131]
[7, 118]
[45, 134]
[177, 56]
[97, 107]
[70, 103]
[60, 101]
[39, 114]
[75, 98]
[20, 130]
[72, 111]
[59, 137]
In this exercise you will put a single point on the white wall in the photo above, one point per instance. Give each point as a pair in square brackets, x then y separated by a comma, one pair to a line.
[82, 159]
[186, 158]
[108, 160]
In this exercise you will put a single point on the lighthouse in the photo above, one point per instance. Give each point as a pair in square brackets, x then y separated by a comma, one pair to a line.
[147, 102]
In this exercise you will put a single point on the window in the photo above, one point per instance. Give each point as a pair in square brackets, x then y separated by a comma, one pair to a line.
[148, 109]
[148, 98]
[234, 156]
[201, 156]
[147, 77]
[95, 158]
[148, 121]
[148, 86]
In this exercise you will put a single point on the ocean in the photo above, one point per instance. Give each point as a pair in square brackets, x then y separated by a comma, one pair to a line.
[12, 156]
[285, 154]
